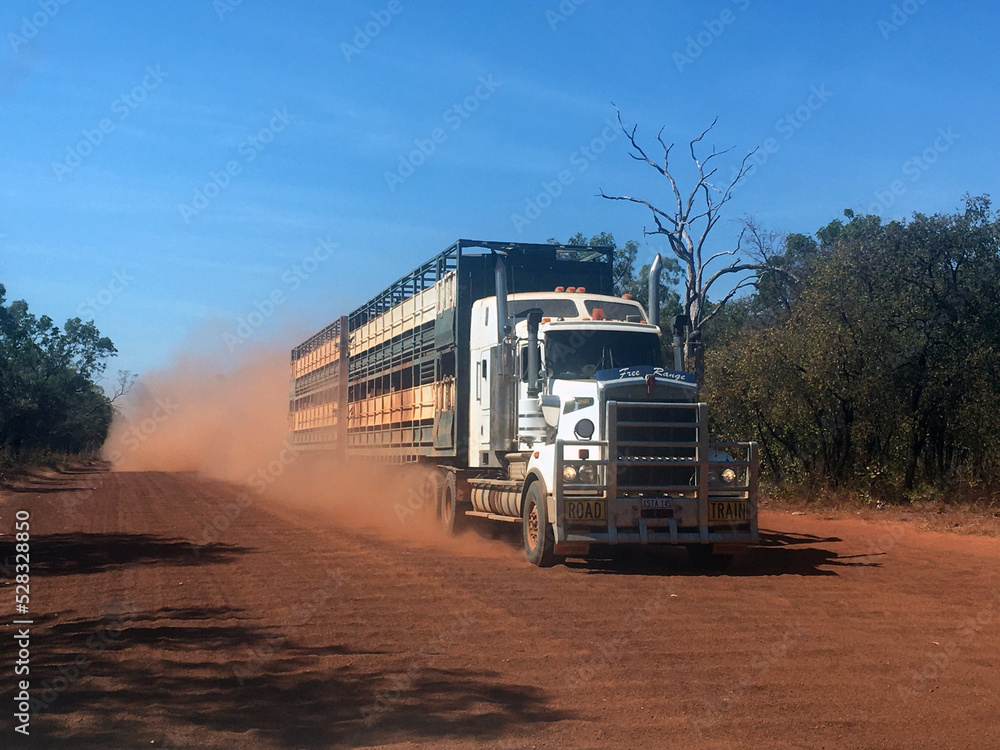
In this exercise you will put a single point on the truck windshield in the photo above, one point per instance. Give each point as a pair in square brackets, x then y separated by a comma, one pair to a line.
[551, 308]
[576, 355]
[615, 310]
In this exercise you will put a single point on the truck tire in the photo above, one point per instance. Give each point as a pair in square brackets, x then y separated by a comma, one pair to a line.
[430, 492]
[703, 557]
[448, 503]
[536, 531]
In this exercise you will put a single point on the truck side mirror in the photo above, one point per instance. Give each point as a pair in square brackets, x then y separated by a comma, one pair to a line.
[534, 320]
[551, 407]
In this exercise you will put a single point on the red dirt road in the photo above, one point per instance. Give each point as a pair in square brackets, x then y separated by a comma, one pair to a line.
[292, 630]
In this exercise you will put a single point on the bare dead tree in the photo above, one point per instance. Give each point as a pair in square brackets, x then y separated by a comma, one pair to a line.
[123, 384]
[762, 243]
[687, 223]
[769, 249]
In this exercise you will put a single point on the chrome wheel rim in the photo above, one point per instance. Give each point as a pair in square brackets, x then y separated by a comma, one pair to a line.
[533, 527]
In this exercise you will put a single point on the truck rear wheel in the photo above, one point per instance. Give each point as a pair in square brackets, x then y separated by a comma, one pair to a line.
[448, 503]
[537, 533]
[430, 492]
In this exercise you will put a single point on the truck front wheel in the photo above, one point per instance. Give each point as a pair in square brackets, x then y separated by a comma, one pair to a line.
[537, 533]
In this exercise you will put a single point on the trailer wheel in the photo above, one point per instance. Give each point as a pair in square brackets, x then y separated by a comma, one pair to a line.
[537, 533]
[703, 557]
[448, 503]
[430, 493]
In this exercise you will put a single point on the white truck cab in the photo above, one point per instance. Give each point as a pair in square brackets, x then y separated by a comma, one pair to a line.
[614, 444]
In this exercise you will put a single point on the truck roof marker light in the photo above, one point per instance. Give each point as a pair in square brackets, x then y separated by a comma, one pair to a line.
[571, 289]
[598, 313]
[626, 296]
[560, 289]
[546, 320]
[581, 289]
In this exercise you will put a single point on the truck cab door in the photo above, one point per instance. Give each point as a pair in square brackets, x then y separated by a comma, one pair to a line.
[493, 422]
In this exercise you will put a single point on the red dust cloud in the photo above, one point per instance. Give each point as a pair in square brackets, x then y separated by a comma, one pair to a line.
[194, 417]
[232, 425]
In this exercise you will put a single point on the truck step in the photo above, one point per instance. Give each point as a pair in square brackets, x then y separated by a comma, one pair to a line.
[492, 516]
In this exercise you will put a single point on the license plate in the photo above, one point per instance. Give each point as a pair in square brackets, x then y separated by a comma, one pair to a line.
[728, 511]
[590, 511]
[657, 503]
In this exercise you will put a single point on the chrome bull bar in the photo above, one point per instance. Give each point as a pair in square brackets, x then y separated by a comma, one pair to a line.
[651, 448]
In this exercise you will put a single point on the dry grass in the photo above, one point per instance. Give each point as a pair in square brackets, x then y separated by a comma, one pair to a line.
[963, 510]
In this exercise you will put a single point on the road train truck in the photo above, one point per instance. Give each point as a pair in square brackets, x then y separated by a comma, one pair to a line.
[533, 395]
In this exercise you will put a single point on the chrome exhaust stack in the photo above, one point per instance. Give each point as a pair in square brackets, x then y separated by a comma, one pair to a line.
[654, 290]
[534, 365]
[503, 321]
[680, 323]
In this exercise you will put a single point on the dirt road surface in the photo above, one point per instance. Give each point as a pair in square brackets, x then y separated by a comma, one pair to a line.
[289, 630]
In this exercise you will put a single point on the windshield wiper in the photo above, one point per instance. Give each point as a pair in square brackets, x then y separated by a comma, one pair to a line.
[607, 358]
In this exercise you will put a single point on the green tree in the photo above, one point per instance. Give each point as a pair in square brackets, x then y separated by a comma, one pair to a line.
[49, 400]
[885, 368]
[788, 261]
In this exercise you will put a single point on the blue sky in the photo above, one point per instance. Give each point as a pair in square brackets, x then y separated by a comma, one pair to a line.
[168, 169]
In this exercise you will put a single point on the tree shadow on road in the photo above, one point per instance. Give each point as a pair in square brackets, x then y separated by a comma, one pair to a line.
[214, 677]
[45, 489]
[86, 467]
[44, 479]
[82, 553]
[778, 554]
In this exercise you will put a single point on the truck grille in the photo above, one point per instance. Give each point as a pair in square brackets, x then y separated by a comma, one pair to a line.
[655, 448]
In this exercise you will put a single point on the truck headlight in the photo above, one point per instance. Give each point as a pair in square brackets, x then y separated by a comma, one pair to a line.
[723, 477]
[569, 473]
[584, 429]
[588, 474]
